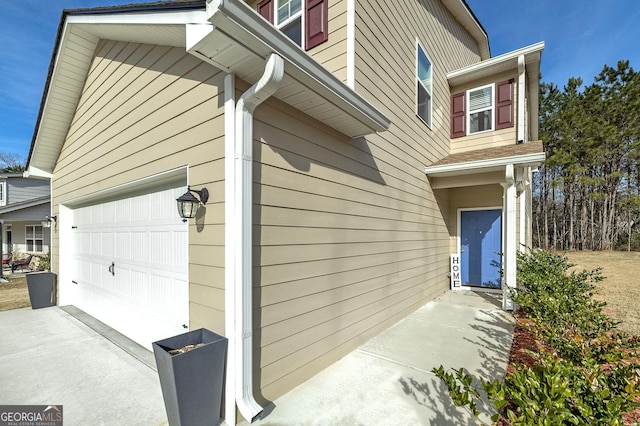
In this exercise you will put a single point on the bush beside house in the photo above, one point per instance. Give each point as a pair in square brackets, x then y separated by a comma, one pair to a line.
[578, 369]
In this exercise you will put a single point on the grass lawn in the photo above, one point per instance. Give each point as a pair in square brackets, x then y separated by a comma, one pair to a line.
[621, 286]
[14, 294]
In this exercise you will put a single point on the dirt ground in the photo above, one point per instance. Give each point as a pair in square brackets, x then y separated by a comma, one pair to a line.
[621, 287]
[14, 294]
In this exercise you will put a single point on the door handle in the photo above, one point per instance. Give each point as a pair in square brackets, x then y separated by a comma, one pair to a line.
[112, 268]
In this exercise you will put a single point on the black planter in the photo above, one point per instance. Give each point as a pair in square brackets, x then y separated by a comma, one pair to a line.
[42, 289]
[192, 382]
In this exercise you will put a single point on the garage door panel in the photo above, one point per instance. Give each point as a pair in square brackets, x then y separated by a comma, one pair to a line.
[146, 297]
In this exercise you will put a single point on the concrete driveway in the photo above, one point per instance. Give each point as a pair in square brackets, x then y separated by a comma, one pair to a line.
[50, 357]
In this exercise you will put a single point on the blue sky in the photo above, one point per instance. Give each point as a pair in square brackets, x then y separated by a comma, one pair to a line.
[580, 35]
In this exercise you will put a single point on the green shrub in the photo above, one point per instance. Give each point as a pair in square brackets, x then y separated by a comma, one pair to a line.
[591, 373]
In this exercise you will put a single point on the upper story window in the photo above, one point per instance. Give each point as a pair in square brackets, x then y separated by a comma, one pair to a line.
[482, 109]
[424, 87]
[3, 195]
[305, 22]
[290, 19]
[480, 103]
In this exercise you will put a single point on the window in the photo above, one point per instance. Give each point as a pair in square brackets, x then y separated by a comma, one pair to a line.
[424, 86]
[34, 238]
[300, 20]
[290, 19]
[482, 109]
[480, 103]
[3, 196]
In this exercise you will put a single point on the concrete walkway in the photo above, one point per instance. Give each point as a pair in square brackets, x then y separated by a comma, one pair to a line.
[49, 357]
[388, 380]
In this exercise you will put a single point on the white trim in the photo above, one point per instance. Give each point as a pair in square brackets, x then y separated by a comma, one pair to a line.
[498, 60]
[491, 108]
[180, 173]
[3, 193]
[67, 289]
[459, 246]
[521, 102]
[522, 160]
[229, 245]
[509, 240]
[145, 17]
[351, 44]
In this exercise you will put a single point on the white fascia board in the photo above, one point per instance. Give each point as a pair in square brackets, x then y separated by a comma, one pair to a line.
[36, 172]
[141, 18]
[466, 167]
[264, 36]
[512, 56]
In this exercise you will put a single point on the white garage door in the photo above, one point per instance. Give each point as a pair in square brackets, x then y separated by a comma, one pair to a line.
[131, 265]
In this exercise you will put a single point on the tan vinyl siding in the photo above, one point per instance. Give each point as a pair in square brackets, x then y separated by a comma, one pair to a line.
[349, 238]
[145, 110]
[489, 139]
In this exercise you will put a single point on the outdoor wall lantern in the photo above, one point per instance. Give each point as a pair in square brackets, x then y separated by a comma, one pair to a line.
[188, 203]
[46, 223]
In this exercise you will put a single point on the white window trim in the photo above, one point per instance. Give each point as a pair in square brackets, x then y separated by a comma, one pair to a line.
[279, 25]
[492, 108]
[419, 46]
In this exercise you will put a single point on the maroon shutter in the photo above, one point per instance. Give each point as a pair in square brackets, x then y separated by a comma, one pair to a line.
[458, 115]
[317, 23]
[265, 8]
[504, 104]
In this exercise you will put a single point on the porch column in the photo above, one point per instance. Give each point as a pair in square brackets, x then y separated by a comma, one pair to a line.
[509, 241]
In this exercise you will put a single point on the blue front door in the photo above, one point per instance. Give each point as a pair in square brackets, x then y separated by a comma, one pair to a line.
[480, 246]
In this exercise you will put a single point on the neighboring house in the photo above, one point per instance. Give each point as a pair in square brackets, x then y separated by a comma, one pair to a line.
[341, 175]
[24, 204]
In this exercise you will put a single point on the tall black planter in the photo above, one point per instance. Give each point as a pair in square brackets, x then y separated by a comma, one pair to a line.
[192, 381]
[42, 289]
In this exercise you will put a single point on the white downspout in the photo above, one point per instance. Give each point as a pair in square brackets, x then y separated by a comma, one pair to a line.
[258, 93]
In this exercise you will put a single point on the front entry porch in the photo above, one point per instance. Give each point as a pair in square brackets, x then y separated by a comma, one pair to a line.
[488, 195]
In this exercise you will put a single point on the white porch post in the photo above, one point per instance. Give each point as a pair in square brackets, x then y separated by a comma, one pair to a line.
[509, 240]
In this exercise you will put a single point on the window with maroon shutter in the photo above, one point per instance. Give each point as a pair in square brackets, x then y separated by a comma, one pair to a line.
[458, 115]
[504, 104]
[288, 17]
[265, 9]
[316, 23]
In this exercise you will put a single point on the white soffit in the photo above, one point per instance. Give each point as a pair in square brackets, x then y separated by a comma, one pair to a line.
[79, 38]
[508, 61]
[240, 40]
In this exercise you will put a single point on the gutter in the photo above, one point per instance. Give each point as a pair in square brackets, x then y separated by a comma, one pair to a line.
[258, 93]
